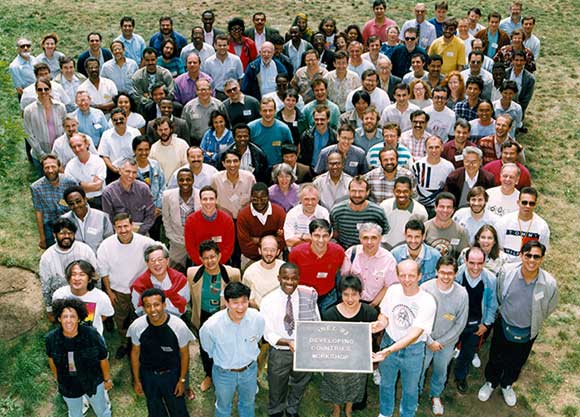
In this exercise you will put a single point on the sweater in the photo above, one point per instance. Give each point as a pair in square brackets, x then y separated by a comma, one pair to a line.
[198, 228]
[249, 227]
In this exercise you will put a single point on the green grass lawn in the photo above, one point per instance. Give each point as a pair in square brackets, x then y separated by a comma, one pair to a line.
[550, 383]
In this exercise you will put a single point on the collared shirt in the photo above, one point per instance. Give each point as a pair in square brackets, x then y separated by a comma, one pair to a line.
[372, 27]
[267, 77]
[61, 147]
[394, 115]
[508, 25]
[416, 146]
[338, 90]
[115, 146]
[376, 272]
[232, 345]
[297, 222]
[233, 196]
[330, 192]
[295, 54]
[320, 141]
[220, 71]
[93, 123]
[137, 201]
[47, 198]
[86, 172]
[398, 218]
[274, 310]
[133, 47]
[318, 272]
[405, 158]
[464, 218]
[22, 72]
[71, 87]
[426, 32]
[185, 88]
[120, 75]
[364, 142]
[464, 111]
[262, 217]
[104, 94]
[204, 53]
[382, 188]
[186, 207]
[355, 162]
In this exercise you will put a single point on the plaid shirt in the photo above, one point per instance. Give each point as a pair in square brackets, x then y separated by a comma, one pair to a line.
[381, 188]
[417, 147]
[463, 111]
[48, 199]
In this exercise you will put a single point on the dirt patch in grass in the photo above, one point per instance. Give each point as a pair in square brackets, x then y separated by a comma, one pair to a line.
[21, 303]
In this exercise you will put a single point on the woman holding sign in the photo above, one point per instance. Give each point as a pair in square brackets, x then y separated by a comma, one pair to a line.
[347, 388]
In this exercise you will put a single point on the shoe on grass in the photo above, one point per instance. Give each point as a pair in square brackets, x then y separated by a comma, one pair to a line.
[485, 391]
[377, 377]
[461, 385]
[437, 406]
[509, 396]
[476, 362]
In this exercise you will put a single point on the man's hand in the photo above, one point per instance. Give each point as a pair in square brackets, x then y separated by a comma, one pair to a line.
[112, 296]
[481, 330]
[292, 346]
[179, 389]
[377, 326]
[42, 243]
[108, 384]
[381, 355]
[435, 346]
[138, 388]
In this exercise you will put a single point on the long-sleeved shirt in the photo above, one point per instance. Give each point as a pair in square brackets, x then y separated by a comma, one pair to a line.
[137, 201]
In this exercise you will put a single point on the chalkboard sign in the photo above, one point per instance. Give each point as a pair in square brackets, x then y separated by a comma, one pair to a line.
[333, 346]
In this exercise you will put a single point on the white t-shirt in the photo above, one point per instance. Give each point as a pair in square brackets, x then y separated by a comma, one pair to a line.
[115, 146]
[94, 167]
[107, 90]
[440, 123]
[262, 281]
[501, 204]
[97, 302]
[405, 312]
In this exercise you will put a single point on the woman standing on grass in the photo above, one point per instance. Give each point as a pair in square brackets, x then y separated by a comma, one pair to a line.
[50, 56]
[77, 356]
[347, 388]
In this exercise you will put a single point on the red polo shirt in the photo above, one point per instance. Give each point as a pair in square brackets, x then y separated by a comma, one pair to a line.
[318, 272]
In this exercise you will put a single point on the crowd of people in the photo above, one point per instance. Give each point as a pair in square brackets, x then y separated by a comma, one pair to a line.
[223, 189]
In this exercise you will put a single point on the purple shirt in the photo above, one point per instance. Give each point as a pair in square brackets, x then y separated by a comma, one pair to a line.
[185, 89]
[137, 202]
[286, 201]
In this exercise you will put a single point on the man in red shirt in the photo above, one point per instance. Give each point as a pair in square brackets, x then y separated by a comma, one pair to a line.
[319, 261]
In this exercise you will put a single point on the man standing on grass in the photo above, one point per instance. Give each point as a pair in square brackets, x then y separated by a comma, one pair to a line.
[160, 356]
[527, 296]
[230, 337]
[452, 308]
[407, 313]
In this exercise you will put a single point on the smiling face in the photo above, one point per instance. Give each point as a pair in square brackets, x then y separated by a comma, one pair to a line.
[509, 177]
[413, 239]
[43, 90]
[166, 27]
[93, 69]
[477, 203]
[65, 238]
[288, 279]
[446, 276]
[409, 276]
[78, 281]
[402, 193]
[484, 112]
[444, 210]
[309, 201]
[50, 169]
[142, 151]
[128, 174]
[320, 238]
[195, 159]
[94, 42]
[127, 29]
[154, 307]
[345, 140]
[211, 260]
[388, 161]
[237, 308]
[260, 200]
[185, 182]
[69, 320]
[532, 261]
[124, 230]
[351, 298]
[486, 241]
[49, 46]
[370, 83]
[77, 204]
[335, 165]
[475, 262]
[232, 164]
[358, 192]
[158, 264]
[319, 92]
[371, 241]
[269, 250]
[208, 202]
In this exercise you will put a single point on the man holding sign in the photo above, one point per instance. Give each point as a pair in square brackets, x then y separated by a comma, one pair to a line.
[281, 309]
[408, 313]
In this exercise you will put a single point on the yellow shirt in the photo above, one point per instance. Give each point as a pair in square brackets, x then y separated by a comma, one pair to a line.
[453, 53]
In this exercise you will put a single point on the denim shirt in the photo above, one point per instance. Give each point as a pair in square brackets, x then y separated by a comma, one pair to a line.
[428, 263]
[157, 185]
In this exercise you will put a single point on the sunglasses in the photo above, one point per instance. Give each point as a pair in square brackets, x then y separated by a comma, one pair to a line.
[408, 38]
[25, 46]
[43, 89]
[120, 120]
[231, 90]
[532, 256]
[528, 203]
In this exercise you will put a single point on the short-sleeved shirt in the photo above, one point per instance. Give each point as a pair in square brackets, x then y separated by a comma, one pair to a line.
[345, 221]
[270, 139]
[318, 272]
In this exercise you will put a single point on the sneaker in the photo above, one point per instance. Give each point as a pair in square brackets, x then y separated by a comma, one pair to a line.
[509, 395]
[461, 385]
[437, 406]
[485, 391]
[455, 353]
[377, 377]
[476, 362]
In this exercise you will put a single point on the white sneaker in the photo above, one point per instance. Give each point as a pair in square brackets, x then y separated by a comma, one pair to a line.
[437, 407]
[377, 377]
[485, 392]
[509, 395]
[476, 362]
[455, 353]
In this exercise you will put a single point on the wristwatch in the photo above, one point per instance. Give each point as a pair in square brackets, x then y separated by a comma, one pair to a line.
[182, 380]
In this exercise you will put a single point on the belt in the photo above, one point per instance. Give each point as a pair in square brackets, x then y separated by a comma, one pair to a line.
[161, 371]
[242, 369]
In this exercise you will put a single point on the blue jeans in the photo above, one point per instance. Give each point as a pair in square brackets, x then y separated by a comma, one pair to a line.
[409, 362]
[98, 402]
[440, 361]
[226, 382]
[469, 341]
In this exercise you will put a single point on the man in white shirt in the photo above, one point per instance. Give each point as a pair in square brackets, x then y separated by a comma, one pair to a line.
[475, 216]
[87, 168]
[299, 217]
[408, 314]
[198, 46]
[262, 276]
[475, 62]
[441, 118]
[281, 309]
[170, 151]
[503, 199]
[202, 173]
[134, 44]
[116, 143]
[400, 111]
[101, 90]
[61, 146]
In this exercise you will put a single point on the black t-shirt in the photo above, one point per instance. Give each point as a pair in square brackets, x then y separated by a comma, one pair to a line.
[159, 348]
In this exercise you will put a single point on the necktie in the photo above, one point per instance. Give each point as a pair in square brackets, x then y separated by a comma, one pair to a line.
[289, 317]
[419, 34]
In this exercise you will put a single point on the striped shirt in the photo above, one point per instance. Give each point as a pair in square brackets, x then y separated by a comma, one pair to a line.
[345, 221]
[405, 158]
[431, 179]
[382, 188]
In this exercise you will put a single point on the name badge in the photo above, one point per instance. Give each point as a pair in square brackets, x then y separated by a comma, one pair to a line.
[195, 116]
[276, 143]
[166, 348]
[353, 164]
[97, 126]
[92, 231]
[247, 112]
[379, 274]
[539, 296]
[295, 123]
[458, 158]
[455, 242]
[322, 275]
[450, 53]
[217, 239]
[494, 45]
[449, 316]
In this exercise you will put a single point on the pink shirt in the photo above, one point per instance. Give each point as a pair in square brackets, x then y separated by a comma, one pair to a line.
[372, 28]
[375, 272]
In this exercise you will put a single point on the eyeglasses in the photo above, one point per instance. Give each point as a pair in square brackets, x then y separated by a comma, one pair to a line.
[236, 29]
[24, 46]
[42, 89]
[475, 62]
[528, 203]
[532, 256]
[439, 98]
[408, 38]
[119, 120]
[231, 90]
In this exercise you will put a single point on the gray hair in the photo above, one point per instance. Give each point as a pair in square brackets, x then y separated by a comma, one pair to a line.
[231, 81]
[283, 169]
[307, 186]
[472, 149]
[155, 247]
[511, 165]
[129, 160]
[370, 227]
